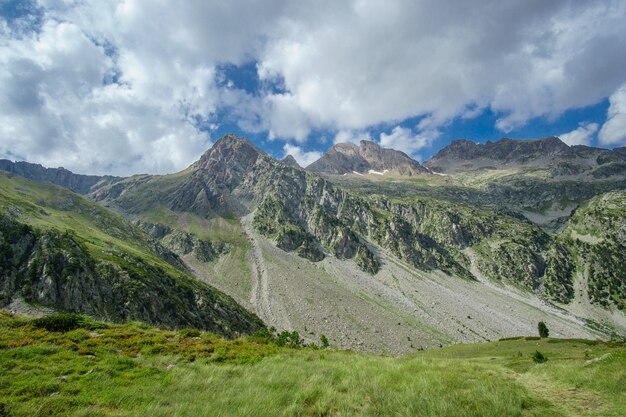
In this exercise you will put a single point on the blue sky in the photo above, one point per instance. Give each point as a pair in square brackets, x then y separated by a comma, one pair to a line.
[130, 86]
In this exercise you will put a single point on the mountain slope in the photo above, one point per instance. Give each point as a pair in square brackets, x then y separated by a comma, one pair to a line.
[64, 252]
[81, 184]
[549, 154]
[321, 258]
[344, 158]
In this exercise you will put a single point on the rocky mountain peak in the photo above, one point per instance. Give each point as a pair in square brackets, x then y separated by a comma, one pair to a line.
[290, 161]
[368, 156]
[229, 159]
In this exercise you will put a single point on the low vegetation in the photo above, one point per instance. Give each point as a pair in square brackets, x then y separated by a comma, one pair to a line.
[72, 366]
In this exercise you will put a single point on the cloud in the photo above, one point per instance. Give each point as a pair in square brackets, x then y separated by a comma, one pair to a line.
[613, 131]
[303, 158]
[582, 135]
[122, 86]
[398, 59]
[126, 86]
[348, 136]
[405, 140]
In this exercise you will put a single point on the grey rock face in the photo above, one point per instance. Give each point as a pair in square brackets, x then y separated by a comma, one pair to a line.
[345, 158]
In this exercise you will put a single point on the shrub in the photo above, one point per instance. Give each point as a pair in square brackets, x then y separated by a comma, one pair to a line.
[539, 357]
[263, 333]
[62, 322]
[324, 340]
[543, 329]
[289, 339]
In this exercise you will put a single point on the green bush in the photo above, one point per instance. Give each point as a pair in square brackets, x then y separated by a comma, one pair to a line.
[289, 339]
[539, 357]
[62, 322]
[543, 329]
[324, 340]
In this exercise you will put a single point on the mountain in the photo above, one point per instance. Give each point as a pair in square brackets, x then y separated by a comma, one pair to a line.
[81, 184]
[383, 266]
[291, 161]
[301, 244]
[367, 157]
[61, 251]
[550, 154]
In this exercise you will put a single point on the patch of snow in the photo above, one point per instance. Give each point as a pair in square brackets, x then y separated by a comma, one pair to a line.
[357, 173]
[371, 171]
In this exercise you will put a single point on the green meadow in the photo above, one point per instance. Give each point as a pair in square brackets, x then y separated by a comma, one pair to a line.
[97, 369]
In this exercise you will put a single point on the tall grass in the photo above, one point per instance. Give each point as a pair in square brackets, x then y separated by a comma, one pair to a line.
[135, 370]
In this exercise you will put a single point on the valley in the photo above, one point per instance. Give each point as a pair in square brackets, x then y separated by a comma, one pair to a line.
[380, 263]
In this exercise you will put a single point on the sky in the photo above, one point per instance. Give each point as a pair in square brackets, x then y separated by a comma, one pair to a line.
[146, 86]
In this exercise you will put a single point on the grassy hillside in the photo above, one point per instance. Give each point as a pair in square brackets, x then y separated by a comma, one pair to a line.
[134, 370]
[63, 251]
[596, 234]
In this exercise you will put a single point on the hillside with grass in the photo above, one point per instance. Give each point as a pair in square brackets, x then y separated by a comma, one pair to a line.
[61, 251]
[73, 366]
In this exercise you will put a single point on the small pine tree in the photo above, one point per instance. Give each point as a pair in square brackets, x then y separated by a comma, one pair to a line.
[539, 357]
[324, 340]
[543, 329]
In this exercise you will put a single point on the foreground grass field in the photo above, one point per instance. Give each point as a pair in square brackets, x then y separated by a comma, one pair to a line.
[135, 370]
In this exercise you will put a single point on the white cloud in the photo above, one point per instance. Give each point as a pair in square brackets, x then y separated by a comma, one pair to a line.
[405, 140]
[369, 62]
[613, 132]
[349, 136]
[118, 86]
[303, 158]
[582, 135]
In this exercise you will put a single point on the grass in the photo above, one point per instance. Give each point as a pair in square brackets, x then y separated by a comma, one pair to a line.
[46, 206]
[135, 370]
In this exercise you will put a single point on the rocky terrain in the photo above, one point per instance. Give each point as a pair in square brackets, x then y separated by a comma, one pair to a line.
[416, 260]
[367, 157]
[550, 154]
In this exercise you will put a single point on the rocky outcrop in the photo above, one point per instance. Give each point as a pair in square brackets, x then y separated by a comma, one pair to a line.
[346, 158]
[82, 184]
[55, 270]
[183, 243]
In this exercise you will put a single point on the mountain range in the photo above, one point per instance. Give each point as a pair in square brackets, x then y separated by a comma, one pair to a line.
[365, 245]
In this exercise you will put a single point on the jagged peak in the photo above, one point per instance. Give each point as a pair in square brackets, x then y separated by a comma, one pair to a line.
[232, 140]
[290, 160]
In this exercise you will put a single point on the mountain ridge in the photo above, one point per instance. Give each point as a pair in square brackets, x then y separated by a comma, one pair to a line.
[275, 230]
[368, 156]
[82, 184]
[548, 153]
